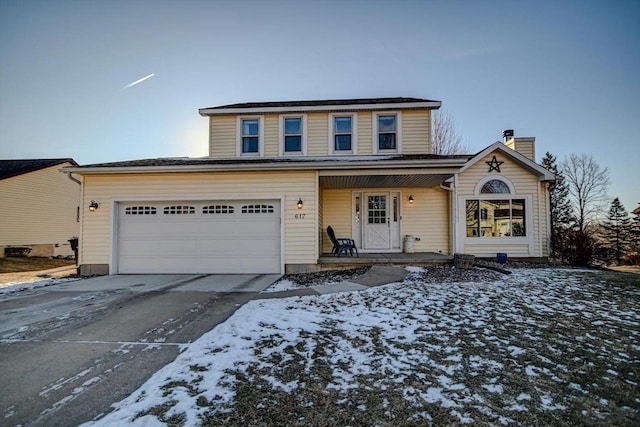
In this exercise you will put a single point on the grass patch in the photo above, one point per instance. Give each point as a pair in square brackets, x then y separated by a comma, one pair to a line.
[22, 264]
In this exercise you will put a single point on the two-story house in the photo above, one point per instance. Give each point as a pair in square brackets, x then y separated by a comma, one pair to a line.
[279, 173]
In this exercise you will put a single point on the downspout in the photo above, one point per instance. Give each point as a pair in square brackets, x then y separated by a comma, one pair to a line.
[538, 231]
[77, 250]
[72, 178]
[454, 211]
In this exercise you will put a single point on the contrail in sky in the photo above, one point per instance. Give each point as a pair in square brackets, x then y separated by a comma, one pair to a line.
[139, 81]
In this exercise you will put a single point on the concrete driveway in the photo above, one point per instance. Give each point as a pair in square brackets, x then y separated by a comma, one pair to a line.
[68, 351]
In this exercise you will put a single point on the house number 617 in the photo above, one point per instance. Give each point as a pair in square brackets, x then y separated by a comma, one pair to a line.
[300, 216]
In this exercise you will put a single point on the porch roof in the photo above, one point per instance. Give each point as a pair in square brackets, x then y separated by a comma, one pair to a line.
[382, 181]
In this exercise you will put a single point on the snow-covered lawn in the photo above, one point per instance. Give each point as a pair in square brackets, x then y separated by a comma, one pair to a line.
[538, 347]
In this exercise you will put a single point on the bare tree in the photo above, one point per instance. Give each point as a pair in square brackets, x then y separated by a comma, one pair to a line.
[446, 138]
[588, 184]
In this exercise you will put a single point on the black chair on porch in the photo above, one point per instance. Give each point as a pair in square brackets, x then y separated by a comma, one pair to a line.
[341, 244]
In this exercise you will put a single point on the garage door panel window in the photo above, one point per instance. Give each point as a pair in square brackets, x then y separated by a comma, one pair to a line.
[257, 209]
[218, 209]
[179, 210]
[140, 210]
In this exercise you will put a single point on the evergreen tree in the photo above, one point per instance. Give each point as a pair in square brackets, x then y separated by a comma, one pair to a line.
[635, 235]
[562, 217]
[617, 230]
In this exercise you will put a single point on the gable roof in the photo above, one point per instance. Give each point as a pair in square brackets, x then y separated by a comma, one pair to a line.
[11, 168]
[321, 105]
[543, 174]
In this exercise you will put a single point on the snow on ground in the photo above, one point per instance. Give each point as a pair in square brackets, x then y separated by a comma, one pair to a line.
[19, 286]
[541, 346]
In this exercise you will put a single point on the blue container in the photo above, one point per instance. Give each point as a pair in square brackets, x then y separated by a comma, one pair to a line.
[502, 258]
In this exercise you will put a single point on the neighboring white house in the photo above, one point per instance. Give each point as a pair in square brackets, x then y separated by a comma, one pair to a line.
[39, 206]
[279, 173]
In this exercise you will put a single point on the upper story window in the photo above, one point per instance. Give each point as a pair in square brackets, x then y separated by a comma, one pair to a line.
[293, 134]
[387, 132]
[293, 138]
[387, 136]
[250, 136]
[342, 133]
[343, 137]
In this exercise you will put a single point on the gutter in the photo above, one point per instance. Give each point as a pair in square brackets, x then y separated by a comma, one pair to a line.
[267, 166]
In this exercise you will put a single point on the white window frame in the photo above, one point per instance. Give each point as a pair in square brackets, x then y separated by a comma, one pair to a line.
[303, 144]
[499, 243]
[483, 181]
[374, 119]
[260, 152]
[354, 134]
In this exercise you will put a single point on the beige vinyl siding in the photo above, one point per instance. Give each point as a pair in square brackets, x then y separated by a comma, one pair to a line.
[39, 207]
[300, 245]
[222, 136]
[524, 181]
[320, 222]
[318, 134]
[524, 146]
[526, 184]
[336, 205]
[365, 134]
[271, 135]
[427, 218]
[416, 132]
[490, 251]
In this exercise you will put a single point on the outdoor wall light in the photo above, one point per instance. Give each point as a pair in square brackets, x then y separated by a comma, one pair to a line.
[300, 203]
[93, 206]
[410, 199]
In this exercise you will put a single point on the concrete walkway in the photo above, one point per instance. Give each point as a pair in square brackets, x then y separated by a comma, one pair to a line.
[376, 276]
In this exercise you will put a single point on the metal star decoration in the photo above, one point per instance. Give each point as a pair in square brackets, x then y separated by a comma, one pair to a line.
[494, 164]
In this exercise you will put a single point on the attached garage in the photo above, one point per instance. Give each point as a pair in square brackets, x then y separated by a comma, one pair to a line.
[228, 237]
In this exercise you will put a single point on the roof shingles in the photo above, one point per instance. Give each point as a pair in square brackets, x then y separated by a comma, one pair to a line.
[11, 168]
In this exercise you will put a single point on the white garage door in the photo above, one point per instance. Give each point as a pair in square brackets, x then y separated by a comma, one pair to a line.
[199, 237]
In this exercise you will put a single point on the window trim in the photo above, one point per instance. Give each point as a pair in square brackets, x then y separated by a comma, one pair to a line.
[303, 144]
[260, 152]
[354, 134]
[375, 141]
[483, 181]
[528, 239]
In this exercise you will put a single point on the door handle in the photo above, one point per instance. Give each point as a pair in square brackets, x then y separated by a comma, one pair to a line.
[388, 224]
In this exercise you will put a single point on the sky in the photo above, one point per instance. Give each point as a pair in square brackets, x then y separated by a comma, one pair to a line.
[566, 72]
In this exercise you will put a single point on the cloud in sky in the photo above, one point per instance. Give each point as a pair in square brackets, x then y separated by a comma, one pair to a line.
[139, 81]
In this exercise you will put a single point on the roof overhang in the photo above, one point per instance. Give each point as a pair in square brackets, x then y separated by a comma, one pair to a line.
[321, 108]
[449, 165]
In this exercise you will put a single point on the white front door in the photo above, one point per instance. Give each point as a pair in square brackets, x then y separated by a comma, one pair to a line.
[377, 227]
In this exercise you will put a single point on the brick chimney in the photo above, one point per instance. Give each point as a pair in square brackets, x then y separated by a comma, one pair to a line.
[523, 145]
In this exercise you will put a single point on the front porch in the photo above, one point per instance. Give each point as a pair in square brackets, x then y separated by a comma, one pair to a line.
[327, 261]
